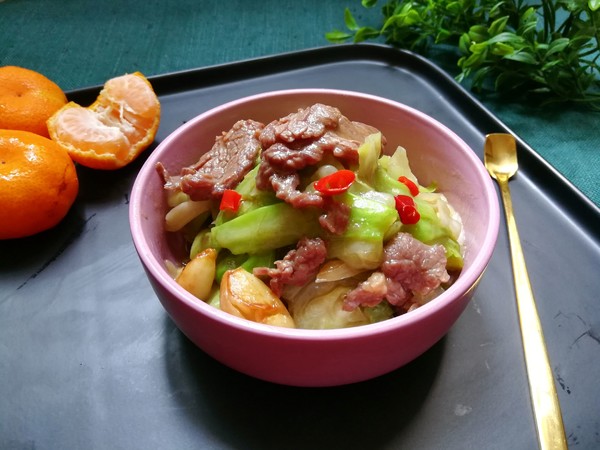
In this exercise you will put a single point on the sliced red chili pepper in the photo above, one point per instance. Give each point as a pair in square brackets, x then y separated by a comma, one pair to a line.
[412, 187]
[407, 210]
[335, 183]
[230, 201]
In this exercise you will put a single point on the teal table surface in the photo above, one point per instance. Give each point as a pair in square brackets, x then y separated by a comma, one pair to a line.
[83, 43]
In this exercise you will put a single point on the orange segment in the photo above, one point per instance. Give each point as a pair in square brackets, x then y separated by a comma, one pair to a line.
[38, 183]
[112, 131]
[27, 100]
[87, 134]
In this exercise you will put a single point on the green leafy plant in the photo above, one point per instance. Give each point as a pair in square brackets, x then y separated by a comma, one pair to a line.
[548, 49]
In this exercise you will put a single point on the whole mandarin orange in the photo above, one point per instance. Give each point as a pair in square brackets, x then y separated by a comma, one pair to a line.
[38, 183]
[27, 100]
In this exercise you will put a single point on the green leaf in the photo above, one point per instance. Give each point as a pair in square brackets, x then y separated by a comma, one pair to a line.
[463, 75]
[478, 48]
[507, 37]
[498, 26]
[502, 49]
[473, 60]
[529, 29]
[364, 33]
[390, 22]
[594, 5]
[443, 35]
[497, 8]
[337, 36]
[411, 17]
[480, 75]
[478, 33]
[557, 46]
[455, 8]
[349, 20]
[523, 57]
[550, 65]
[464, 43]
[368, 3]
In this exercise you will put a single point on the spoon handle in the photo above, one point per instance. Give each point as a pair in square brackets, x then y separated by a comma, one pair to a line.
[546, 408]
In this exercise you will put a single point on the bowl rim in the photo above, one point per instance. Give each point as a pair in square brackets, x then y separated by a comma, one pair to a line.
[464, 283]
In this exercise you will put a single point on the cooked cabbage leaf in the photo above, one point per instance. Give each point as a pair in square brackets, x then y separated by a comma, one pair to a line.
[361, 245]
[325, 311]
[266, 228]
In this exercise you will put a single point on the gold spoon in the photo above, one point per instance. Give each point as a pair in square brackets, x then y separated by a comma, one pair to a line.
[501, 162]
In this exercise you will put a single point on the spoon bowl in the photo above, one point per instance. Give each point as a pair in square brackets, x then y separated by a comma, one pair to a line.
[500, 155]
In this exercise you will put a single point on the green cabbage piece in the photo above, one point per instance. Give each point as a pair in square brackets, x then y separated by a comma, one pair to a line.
[368, 156]
[379, 312]
[439, 223]
[431, 230]
[266, 228]
[361, 245]
[214, 298]
[228, 261]
[201, 242]
[397, 165]
[384, 182]
[390, 168]
[325, 311]
[252, 197]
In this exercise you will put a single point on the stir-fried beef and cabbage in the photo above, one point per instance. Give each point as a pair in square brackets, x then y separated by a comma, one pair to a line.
[304, 222]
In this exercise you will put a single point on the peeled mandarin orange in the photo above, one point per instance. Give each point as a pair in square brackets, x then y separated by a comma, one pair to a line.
[38, 183]
[112, 131]
[27, 100]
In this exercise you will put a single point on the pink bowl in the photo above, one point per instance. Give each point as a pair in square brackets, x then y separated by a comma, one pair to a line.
[310, 357]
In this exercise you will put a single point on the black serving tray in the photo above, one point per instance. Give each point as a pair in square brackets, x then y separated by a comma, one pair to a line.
[89, 358]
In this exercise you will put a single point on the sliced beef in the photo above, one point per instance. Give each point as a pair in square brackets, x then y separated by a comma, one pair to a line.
[307, 123]
[232, 156]
[301, 139]
[368, 293]
[286, 187]
[297, 267]
[412, 267]
[336, 216]
[397, 295]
